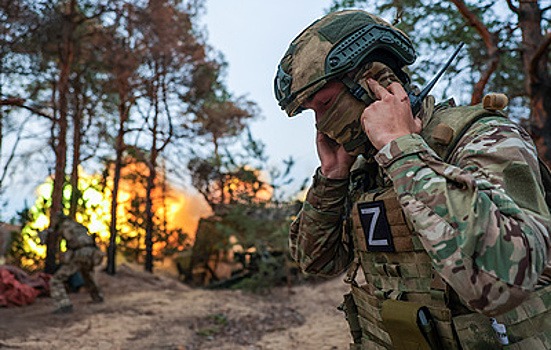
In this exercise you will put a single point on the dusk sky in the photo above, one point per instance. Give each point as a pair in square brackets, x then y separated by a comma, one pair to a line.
[253, 35]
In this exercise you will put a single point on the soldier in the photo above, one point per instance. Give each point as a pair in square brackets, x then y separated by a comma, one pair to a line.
[82, 256]
[443, 207]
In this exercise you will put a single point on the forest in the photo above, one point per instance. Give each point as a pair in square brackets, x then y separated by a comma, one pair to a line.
[125, 100]
[123, 108]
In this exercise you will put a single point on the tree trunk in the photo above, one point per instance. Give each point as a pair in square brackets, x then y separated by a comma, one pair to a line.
[164, 188]
[60, 140]
[152, 164]
[77, 143]
[149, 214]
[538, 83]
[119, 149]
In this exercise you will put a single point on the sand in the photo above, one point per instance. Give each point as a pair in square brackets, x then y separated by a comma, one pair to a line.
[152, 311]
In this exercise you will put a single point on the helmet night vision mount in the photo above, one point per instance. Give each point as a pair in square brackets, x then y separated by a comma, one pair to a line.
[351, 51]
[348, 54]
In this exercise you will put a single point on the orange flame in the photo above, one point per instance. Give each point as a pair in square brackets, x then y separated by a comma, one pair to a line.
[177, 208]
[173, 208]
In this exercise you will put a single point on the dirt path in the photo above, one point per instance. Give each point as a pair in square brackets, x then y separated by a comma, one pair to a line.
[144, 311]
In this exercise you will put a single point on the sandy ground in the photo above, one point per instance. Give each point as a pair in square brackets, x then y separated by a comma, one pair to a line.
[144, 311]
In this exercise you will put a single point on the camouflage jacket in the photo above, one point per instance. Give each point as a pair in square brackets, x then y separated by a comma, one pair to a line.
[481, 216]
[75, 234]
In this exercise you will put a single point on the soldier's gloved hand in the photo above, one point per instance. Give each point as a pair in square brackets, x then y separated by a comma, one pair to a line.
[389, 117]
[335, 161]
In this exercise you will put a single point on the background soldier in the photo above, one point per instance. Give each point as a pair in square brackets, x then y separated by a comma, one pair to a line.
[82, 256]
[443, 207]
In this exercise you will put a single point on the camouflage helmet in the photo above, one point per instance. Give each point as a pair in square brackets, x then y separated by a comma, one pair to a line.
[331, 46]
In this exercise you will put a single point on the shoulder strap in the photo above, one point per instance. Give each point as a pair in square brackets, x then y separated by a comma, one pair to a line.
[469, 122]
[448, 125]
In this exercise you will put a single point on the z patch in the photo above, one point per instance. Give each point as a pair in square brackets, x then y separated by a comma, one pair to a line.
[375, 226]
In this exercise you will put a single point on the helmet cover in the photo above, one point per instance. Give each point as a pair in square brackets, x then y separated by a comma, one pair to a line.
[330, 47]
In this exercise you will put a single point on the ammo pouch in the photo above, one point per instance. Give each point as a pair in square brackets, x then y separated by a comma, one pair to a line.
[409, 325]
[527, 327]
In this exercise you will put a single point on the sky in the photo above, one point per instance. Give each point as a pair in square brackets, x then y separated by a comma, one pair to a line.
[253, 35]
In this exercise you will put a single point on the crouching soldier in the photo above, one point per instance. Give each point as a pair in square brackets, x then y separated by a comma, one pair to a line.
[82, 256]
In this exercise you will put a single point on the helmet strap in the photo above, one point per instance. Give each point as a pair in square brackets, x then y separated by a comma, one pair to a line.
[357, 90]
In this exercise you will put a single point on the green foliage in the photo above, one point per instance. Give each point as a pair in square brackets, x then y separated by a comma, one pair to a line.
[257, 234]
[21, 252]
[270, 270]
[436, 28]
[262, 225]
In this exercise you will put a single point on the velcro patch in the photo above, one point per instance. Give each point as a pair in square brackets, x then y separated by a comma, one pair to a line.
[375, 226]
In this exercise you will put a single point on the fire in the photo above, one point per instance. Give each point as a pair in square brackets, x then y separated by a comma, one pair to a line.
[179, 209]
[257, 191]
[175, 211]
[185, 209]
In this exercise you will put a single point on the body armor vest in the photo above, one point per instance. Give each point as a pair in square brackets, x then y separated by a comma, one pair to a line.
[404, 303]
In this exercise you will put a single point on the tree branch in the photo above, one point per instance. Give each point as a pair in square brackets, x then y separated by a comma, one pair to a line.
[20, 102]
[512, 7]
[12, 101]
[12, 153]
[491, 49]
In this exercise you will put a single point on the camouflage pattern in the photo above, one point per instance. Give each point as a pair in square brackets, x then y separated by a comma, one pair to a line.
[480, 224]
[81, 256]
[527, 326]
[482, 218]
[303, 68]
[316, 238]
[75, 234]
[465, 203]
[341, 122]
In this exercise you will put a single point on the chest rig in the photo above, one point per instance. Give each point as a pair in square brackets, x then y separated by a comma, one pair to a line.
[404, 303]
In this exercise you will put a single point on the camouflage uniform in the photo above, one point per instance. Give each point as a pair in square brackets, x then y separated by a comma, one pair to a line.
[481, 218]
[81, 256]
[466, 226]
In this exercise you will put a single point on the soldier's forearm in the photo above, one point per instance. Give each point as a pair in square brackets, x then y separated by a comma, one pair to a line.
[316, 237]
[317, 242]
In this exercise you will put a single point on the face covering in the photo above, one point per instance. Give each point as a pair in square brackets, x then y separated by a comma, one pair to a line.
[342, 123]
